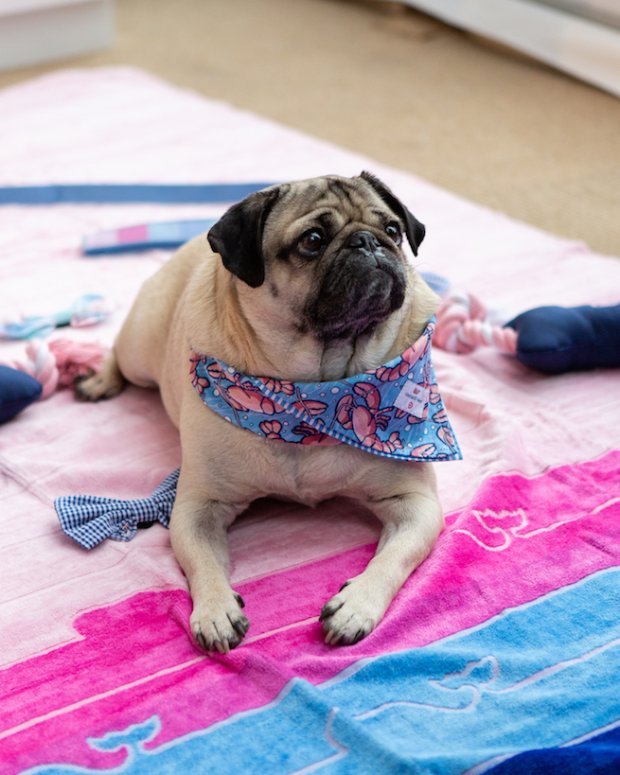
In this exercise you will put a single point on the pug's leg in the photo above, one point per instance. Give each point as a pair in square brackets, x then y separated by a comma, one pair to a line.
[411, 524]
[199, 536]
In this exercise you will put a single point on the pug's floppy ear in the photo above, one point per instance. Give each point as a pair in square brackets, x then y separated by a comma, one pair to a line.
[414, 229]
[238, 236]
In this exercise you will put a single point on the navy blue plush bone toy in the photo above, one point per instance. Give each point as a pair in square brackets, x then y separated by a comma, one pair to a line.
[559, 339]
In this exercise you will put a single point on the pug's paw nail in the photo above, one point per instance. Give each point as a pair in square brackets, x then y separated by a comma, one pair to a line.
[241, 625]
[219, 627]
[200, 640]
[330, 608]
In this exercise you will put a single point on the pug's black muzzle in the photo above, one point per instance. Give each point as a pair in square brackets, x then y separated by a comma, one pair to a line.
[360, 288]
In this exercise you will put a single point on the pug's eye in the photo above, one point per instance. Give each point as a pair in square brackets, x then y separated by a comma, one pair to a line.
[311, 243]
[394, 233]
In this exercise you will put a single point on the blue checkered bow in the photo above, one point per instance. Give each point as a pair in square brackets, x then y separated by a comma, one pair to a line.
[89, 519]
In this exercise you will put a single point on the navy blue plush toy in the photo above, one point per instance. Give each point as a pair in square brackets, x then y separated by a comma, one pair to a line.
[559, 339]
[17, 391]
[552, 340]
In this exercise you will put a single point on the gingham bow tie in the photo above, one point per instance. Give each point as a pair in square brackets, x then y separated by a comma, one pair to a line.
[89, 519]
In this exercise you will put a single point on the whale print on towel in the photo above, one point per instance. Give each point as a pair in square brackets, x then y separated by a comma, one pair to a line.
[514, 509]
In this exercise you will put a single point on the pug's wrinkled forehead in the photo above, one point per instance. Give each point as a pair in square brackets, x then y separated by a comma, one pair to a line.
[332, 202]
[336, 207]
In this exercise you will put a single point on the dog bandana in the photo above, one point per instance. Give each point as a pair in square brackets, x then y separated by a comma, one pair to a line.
[394, 410]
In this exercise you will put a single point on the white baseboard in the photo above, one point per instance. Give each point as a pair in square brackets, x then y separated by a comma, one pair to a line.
[587, 49]
[37, 31]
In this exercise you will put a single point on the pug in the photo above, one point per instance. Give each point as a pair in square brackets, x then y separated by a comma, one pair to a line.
[305, 281]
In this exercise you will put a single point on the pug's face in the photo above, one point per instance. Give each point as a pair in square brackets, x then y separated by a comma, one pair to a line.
[328, 250]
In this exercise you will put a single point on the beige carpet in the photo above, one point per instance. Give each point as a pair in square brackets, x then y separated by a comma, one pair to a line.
[400, 87]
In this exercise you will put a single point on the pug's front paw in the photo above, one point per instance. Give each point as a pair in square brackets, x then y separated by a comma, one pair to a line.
[219, 625]
[350, 615]
[100, 385]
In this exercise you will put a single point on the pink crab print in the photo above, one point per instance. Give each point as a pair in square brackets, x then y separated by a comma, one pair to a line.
[445, 434]
[312, 436]
[407, 359]
[424, 450]
[441, 416]
[313, 408]
[248, 397]
[278, 385]
[199, 383]
[365, 417]
[216, 372]
[272, 429]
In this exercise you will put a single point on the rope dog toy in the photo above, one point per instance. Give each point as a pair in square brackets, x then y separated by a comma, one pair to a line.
[59, 363]
[462, 326]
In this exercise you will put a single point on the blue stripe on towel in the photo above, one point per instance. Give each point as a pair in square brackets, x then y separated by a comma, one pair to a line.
[122, 193]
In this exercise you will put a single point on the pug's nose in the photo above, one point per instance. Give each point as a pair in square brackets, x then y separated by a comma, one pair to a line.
[363, 240]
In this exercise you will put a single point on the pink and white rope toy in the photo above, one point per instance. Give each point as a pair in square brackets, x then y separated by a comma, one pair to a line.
[59, 363]
[462, 326]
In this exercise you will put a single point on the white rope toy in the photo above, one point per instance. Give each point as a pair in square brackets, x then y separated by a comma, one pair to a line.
[40, 363]
[462, 326]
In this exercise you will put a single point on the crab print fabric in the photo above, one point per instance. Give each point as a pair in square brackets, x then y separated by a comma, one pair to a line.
[394, 411]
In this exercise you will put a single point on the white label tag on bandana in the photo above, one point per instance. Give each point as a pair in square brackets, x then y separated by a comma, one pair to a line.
[412, 399]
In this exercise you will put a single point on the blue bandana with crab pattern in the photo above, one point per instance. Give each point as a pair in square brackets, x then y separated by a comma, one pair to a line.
[394, 410]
